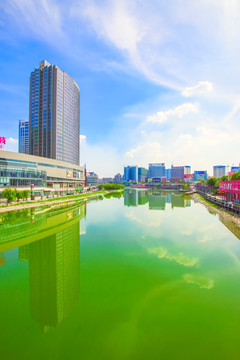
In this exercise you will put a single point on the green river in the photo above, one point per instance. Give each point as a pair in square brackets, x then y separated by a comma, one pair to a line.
[147, 275]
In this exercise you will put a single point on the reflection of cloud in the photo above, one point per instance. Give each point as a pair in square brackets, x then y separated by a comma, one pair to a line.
[145, 219]
[180, 258]
[205, 238]
[201, 281]
[186, 232]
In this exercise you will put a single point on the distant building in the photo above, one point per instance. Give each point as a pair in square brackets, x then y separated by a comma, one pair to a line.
[23, 136]
[142, 174]
[200, 175]
[92, 178]
[131, 173]
[178, 172]
[219, 171]
[106, 180]
[168, 174]
[117, 178]
[235, 169]
[156, 171]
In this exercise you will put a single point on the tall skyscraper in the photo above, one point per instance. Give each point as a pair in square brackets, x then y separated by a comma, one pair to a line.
[23, 136]
[219, 171]
[131, 173]
[156, 171]
[54, 119]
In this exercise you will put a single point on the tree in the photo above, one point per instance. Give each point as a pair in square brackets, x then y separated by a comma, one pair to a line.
[18, 194]
[236, 176]
[9, 194]
[25, 194]
[212, 182]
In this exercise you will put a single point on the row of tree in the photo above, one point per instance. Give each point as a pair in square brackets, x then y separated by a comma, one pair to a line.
[214, 182]
[112, 186]
[14, 194]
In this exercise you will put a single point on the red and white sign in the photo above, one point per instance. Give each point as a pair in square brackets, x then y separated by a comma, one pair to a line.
[232, 186]
[189, 176]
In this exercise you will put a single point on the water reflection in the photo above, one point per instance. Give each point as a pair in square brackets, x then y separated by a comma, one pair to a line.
[157, 200]
[52, 248]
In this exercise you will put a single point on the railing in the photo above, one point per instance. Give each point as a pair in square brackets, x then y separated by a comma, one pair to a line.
[226, 205]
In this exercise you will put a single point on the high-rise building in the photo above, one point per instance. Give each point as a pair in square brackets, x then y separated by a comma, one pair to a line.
[200, 175]
[156, 171]
[54, 119]
[23, 136]
[235, 169]
[219, 171]
[179, 172]
[131, 173]
[142, 174]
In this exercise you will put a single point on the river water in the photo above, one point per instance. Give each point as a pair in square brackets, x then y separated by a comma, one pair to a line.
[147, 275]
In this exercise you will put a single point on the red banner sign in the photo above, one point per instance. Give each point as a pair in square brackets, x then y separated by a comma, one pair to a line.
[232, 186]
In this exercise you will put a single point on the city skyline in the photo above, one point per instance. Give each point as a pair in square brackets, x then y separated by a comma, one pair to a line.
[158, 82]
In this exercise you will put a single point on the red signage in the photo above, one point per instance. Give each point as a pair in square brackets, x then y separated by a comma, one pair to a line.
[189, 176]
[232, 186]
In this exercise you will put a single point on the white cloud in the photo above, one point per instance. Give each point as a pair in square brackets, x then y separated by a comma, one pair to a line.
[41, 18]
[83, 139]
[11, 144]
[203, 87]
[178, 111]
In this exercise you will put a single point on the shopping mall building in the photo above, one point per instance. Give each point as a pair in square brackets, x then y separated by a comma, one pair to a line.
[230, 190]
[20, 170]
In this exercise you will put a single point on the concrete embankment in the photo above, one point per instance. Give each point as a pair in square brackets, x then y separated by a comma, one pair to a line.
[221, 212]
[53, 203]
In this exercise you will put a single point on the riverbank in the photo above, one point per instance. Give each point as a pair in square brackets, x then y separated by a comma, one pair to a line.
[216, 209]
[51, 203]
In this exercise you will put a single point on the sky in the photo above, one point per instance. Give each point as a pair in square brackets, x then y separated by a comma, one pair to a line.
[159, 80]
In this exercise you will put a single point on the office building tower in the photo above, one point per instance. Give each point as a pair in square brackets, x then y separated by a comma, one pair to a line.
[219, 171]
[235, 169]
[180, 172]
[131, 173]
[168, 174]
[54, 119]
[23, 136]
[142, 174]
[156, 171]
[200, 175]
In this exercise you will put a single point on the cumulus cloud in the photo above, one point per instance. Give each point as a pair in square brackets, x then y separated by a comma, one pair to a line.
[203, 87]
[178, 111]
[11, 144]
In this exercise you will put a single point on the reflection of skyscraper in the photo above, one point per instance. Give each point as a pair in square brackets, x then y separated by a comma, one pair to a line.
[157, 202]
[23, 253]
[131, 198]
[179, 201]
[54, 268]
[142, 197]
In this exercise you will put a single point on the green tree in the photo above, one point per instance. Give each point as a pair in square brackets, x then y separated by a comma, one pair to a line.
[9, 194]
[236, 176]
[18, 194]
[212, 182]
[25, 194]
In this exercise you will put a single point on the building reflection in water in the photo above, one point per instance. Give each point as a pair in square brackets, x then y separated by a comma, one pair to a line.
[157, 200]
[54, 271]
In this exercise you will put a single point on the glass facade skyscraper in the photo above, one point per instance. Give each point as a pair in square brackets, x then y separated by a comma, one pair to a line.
[54, 119]
[23, 136]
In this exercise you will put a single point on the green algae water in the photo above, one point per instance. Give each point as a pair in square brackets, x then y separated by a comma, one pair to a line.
[147, 275]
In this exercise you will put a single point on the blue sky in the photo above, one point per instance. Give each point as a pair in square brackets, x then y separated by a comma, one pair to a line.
[159, 80]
